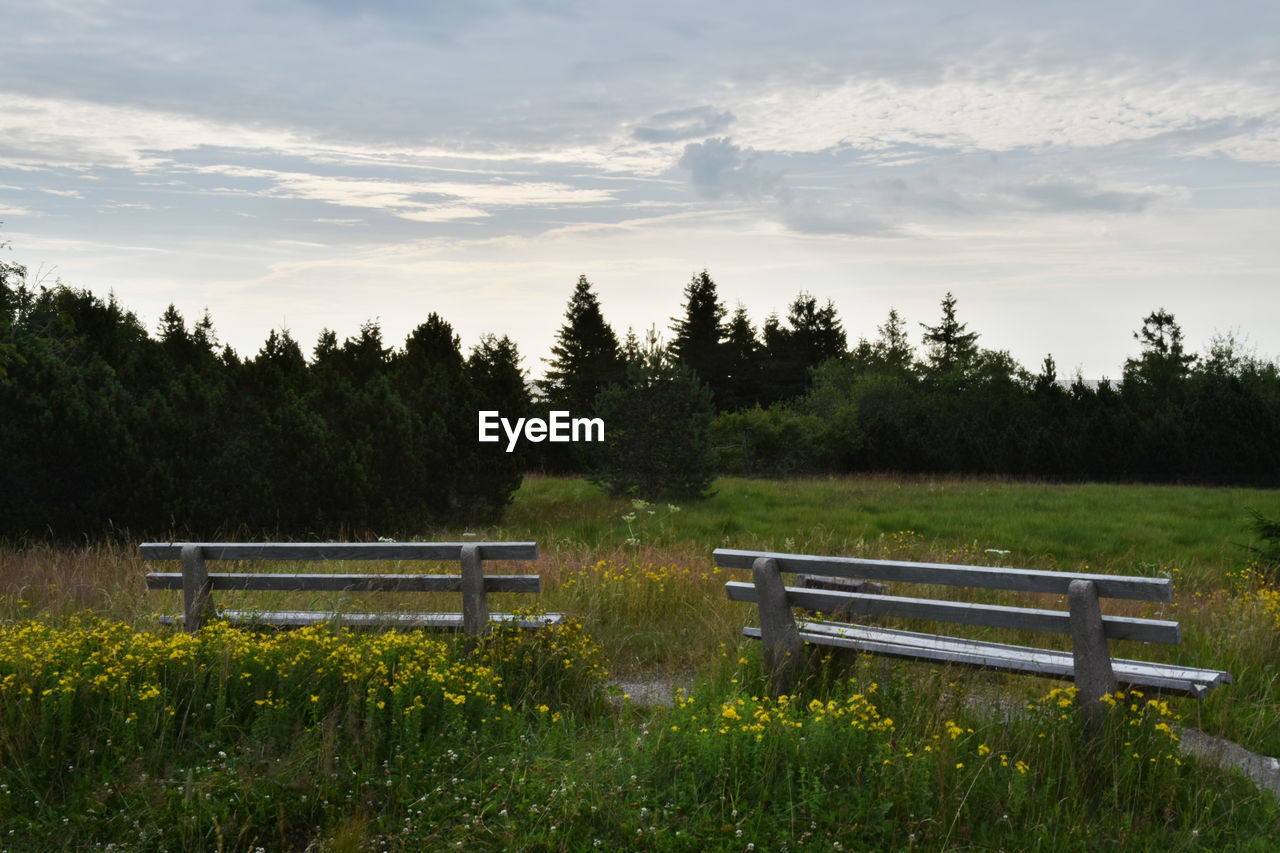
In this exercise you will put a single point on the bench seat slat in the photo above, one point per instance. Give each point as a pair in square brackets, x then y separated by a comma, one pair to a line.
[340, 550]
[961, 613]
[1190, 673]
[302, 618]
[283, 582]
[1166, 678]
[1021, 580]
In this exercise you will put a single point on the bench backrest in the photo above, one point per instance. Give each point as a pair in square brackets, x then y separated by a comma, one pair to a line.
[1023, 580]
[340, 550]
[198, 583]
[988, 615]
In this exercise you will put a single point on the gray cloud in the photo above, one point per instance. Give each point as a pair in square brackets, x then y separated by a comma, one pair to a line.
[718, 167]
[836, 219]
[676, 125]
[926, 193]
[1072, 196]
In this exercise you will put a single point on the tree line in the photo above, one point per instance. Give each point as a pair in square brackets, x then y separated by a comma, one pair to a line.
[173, 434]
[107, 426]
[796, 397]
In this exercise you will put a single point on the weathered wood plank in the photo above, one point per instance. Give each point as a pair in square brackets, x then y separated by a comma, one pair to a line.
[902, 637]
[341, 550]
[302, 618]
[1024, 580]
[1024, 660]
[962, 613]
[347, 582]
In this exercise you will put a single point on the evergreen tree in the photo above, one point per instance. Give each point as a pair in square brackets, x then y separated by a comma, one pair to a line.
[699, 335]
[276, 456]
[657, 429]
[951, 349]
[812, 336]
[586, 356]
[431, 378]
[8, 311]
[891, 353]
[742, 362]
[892, 347]
[1163, 358]
[816, 333]
[494, 373]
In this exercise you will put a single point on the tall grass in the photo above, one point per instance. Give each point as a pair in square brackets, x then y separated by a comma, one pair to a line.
[1202, 531]
[334, 741]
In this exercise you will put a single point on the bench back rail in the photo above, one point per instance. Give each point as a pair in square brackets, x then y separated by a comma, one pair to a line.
[960, 612]
[197, 583]
[941, 574]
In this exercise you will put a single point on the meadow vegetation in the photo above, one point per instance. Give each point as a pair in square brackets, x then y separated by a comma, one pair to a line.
[115, 731]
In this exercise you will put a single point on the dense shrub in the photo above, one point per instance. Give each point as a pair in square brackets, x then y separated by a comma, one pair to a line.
[657, 429]
[104, 425]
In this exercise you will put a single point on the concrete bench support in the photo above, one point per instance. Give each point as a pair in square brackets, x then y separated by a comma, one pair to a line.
[778, 633]
[1093, 673]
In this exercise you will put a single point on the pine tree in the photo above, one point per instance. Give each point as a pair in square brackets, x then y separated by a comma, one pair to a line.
[658, 429]
[742, 361]
[586, 356]
[892, 347]
[498, 384]
[1163, 357]
[951, 348]
[812, 336]
[699, 335]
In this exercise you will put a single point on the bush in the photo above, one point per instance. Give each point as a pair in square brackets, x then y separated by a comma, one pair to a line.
[657, 429]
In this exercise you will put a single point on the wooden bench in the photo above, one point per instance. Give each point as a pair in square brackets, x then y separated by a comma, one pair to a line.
[1088, 663]
[198, 584]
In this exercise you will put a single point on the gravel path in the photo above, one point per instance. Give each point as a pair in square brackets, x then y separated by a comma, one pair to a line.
[1262, 769]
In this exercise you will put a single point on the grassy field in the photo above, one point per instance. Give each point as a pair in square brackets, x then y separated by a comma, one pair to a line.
[113, 731]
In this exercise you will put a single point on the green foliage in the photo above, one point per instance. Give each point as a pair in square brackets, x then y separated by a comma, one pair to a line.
[951, 348]
[743, 364]
[107, 427]
[495, 377]
[585, 359]
[773, 442]
[1163, 358]
[811, 336]
[890, 354]
[976, 411]
[16, 274]
[657, 429]
[586, 356]
[698, 337]
[1268, 530]
[314, 739]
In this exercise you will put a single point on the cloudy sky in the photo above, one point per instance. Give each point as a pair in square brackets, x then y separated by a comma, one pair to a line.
[1062, 168]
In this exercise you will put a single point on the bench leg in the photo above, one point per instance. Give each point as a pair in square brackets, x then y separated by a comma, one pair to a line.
[197, 592]
[778, 633]
[1094, 677]
[475, 607]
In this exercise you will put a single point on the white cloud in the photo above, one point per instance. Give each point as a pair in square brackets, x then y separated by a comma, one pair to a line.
[972, 109]
[1052, 159]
